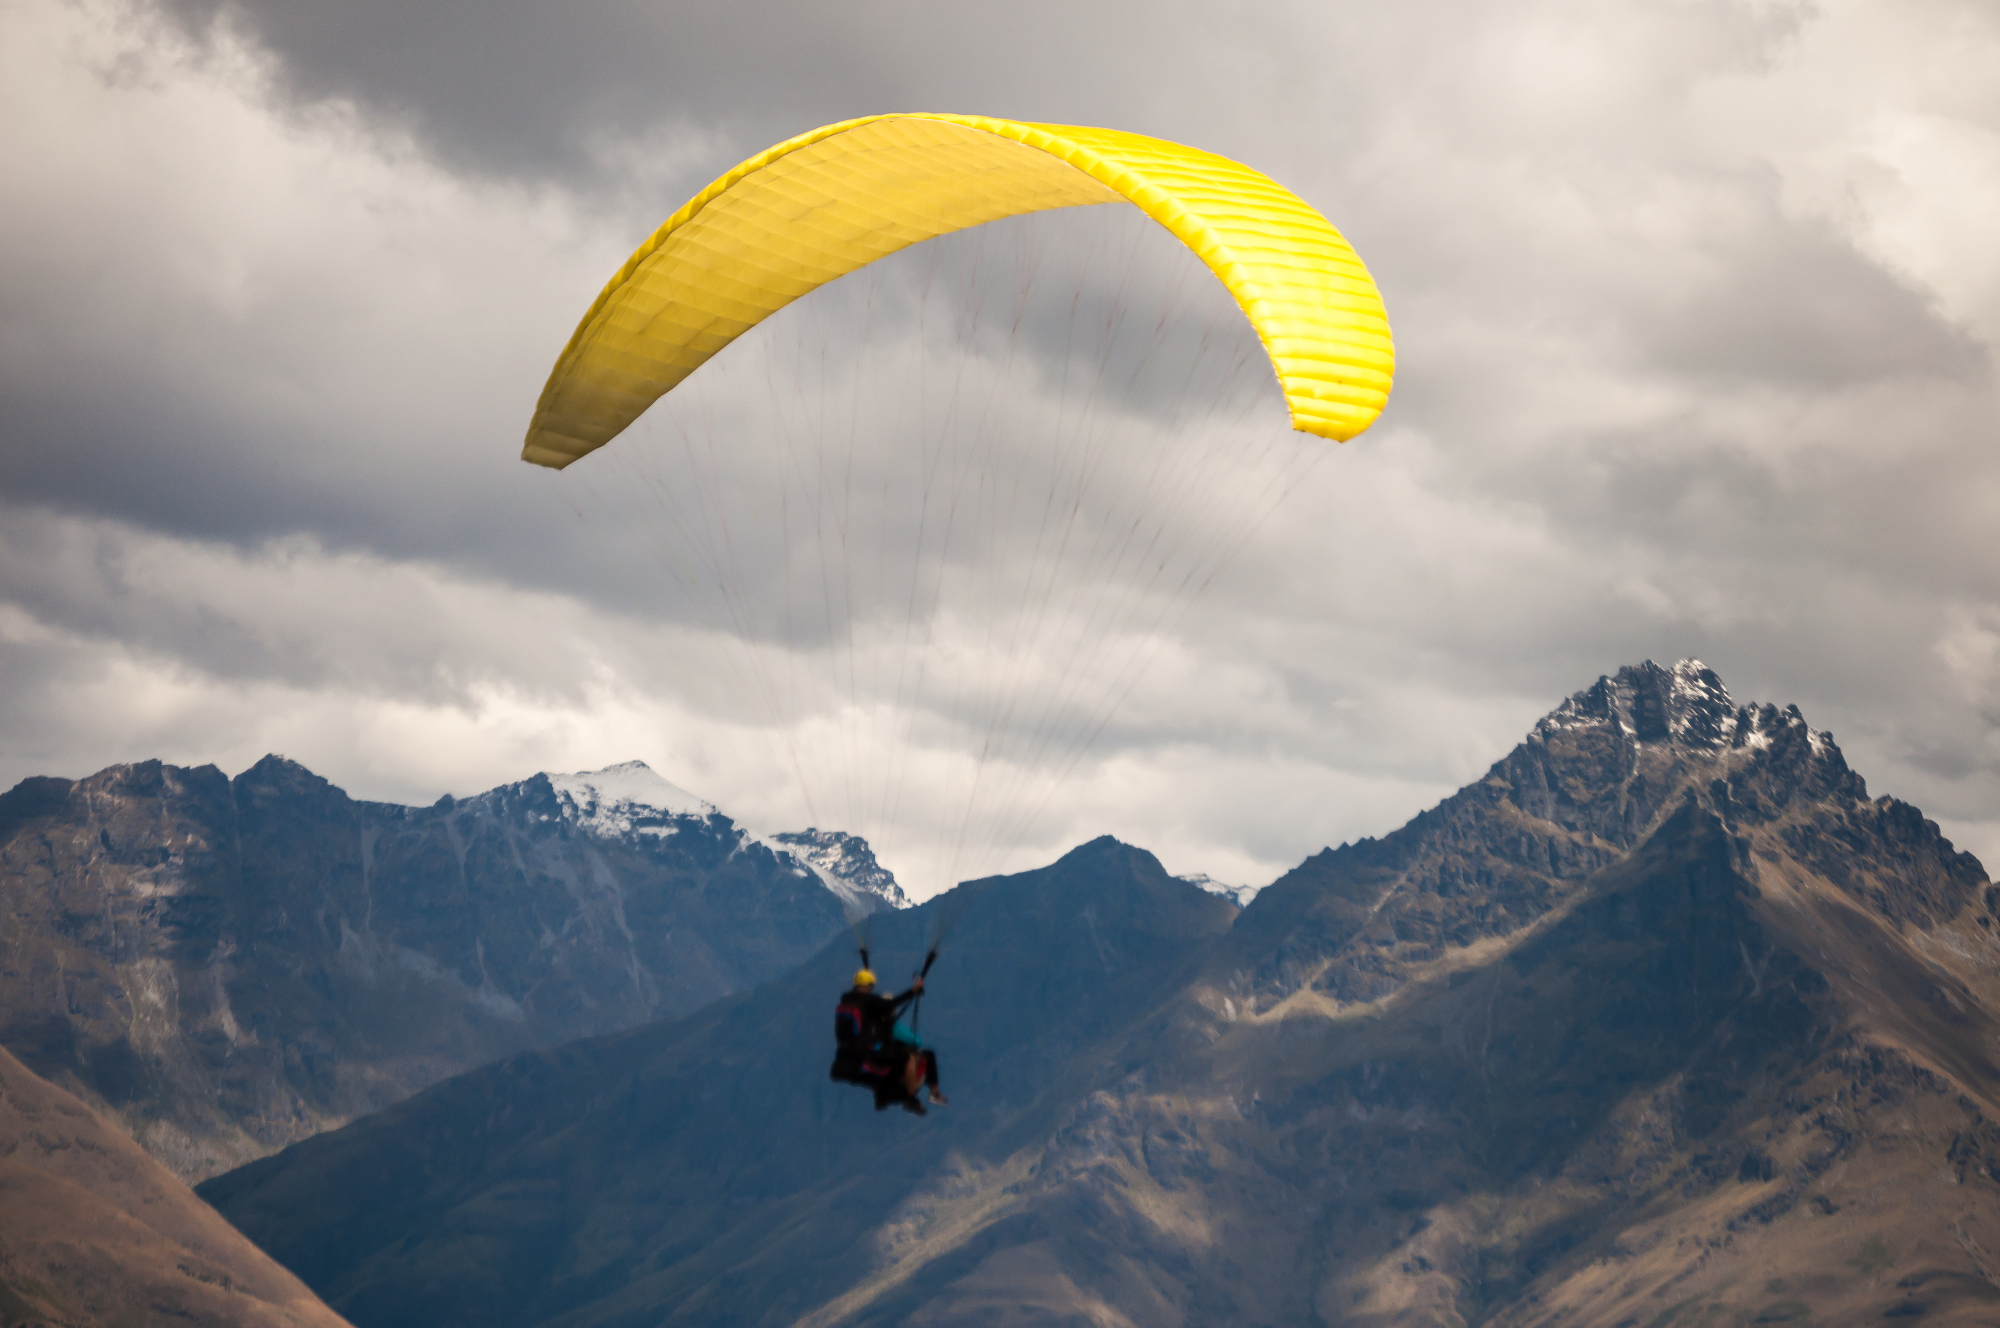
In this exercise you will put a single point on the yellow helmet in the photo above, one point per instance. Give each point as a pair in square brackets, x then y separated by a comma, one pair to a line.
[864, 979]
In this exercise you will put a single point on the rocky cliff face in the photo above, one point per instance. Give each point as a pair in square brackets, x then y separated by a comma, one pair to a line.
[1663, 1022]
[225, 966]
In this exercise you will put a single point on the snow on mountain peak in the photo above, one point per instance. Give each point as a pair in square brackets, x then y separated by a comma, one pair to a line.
[622, 801]
[626, 799]
[1240, 895]
[847, 865]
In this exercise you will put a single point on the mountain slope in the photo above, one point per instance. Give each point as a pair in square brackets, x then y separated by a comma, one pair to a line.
[224, 966]
[1664, 1096]
[1664, 1021]
[95, 1232]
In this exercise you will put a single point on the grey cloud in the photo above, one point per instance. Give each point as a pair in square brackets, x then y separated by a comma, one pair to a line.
[1790, 301]
[40, 738]
[1646, 407]
[290, 614]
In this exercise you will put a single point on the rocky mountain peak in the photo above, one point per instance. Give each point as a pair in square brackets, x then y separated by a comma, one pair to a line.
[1590, 783]
[1687, 704]
[279, 780]
[275, 768]
[35, 796]
[1608, 760]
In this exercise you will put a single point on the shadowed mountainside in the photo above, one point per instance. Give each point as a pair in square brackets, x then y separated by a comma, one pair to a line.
[225, 966]
[1663, 1022]
[93, 1232]
[709, 1162]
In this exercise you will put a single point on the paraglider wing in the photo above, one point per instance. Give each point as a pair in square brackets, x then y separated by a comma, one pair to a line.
[818, 206]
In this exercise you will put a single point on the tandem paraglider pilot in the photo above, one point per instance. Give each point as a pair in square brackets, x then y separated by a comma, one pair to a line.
[875, 1049]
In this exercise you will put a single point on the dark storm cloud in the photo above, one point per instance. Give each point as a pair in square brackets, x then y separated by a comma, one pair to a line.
[171, 461]
[524, 87]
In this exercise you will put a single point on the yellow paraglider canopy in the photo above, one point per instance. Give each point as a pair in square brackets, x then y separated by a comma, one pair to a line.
[800, 214]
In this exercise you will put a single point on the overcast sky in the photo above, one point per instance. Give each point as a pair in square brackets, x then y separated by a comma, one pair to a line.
[1696, 307]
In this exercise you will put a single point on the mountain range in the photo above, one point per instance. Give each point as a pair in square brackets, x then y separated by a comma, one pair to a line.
[1663, 1021]
[224, 966]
